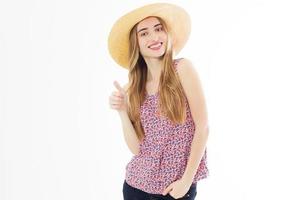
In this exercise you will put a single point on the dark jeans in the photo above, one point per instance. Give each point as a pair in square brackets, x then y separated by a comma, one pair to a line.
[132, 193]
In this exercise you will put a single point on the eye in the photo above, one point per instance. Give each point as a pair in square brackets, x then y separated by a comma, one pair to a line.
[159, 29]
[143, 34]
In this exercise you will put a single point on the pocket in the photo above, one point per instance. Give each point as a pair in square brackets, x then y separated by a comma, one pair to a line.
[191, 194]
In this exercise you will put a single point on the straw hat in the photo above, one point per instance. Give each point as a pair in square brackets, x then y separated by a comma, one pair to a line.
[177, 19]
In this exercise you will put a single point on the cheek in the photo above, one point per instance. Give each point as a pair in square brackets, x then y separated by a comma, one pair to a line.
[164, 37]
[142, 43]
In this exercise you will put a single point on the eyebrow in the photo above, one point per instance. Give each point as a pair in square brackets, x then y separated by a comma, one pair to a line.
[147, 28]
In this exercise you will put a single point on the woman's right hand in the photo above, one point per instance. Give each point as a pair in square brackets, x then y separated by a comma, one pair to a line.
[118, 99]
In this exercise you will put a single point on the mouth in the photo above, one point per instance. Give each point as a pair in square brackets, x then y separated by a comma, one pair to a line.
[155, 46]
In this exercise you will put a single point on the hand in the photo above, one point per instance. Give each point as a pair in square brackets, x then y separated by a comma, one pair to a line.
[118, 99]
[178, 188]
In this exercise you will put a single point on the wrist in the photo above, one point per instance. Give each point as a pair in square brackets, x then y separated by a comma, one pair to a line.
[122, 112]
[187, 178]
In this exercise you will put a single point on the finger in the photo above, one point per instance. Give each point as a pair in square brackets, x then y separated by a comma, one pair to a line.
[115, 107]
[115, 104]
[116, 97]
[116, 101]
[167, 190]
[117, 85]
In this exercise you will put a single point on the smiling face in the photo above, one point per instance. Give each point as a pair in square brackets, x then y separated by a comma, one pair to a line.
[152, 37]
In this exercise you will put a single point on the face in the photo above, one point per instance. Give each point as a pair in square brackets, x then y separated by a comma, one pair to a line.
[152, 37]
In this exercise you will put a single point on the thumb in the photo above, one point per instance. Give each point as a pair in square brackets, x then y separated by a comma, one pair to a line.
[117, 85]
[168, 189]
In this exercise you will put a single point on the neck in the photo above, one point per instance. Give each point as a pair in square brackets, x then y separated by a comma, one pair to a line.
[154, 66]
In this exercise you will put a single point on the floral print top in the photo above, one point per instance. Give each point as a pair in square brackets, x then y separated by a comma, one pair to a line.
[164, 151]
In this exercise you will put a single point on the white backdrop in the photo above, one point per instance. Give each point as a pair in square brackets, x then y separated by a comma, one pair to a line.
[60, 140]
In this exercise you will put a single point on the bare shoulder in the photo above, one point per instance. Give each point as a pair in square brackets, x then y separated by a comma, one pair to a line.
[125, 87]
[191, 84]
[185, 68]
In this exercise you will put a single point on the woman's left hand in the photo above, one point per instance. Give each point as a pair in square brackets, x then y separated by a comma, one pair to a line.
[178, 188]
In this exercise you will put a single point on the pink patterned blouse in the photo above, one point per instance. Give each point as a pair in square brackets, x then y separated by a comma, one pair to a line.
[164, 151]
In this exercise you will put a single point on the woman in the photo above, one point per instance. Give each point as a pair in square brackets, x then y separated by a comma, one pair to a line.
[162, 107]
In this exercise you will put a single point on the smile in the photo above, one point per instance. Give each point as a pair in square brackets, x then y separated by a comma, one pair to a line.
[155, 46]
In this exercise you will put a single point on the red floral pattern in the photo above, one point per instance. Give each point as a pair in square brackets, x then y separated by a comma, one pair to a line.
[164, 151]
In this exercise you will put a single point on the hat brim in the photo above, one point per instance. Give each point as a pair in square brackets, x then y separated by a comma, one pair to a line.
[176, 18]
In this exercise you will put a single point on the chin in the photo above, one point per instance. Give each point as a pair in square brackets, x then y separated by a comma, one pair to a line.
[156, 54]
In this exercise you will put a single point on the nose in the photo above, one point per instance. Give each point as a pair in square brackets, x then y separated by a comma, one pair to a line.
[153, 37]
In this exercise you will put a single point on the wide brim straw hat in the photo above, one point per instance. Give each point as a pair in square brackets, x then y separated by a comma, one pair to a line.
[176, 18]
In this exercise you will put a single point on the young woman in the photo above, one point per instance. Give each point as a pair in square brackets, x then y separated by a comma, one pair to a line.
[162, 107]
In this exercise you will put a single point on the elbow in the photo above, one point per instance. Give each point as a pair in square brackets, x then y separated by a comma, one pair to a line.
[135, 152]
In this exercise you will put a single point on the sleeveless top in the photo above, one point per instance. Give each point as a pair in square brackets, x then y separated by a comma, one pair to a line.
[164, 151]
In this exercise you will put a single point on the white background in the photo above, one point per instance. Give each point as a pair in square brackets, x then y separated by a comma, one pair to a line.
[60, 140]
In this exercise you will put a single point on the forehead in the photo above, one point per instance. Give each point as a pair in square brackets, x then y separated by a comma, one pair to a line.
[148, 22]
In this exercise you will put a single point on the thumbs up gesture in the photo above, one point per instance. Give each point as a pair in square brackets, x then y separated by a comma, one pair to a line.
[118, 99]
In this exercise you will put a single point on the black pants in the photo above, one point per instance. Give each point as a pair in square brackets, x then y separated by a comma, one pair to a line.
[132, 193]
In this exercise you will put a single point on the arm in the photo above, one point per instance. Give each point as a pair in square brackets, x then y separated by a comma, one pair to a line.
[194, 93]
[129, 133]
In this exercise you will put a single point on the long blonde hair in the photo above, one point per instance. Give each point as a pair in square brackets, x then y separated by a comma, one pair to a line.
[171, 93]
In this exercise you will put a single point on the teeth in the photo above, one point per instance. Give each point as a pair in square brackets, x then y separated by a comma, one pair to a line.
[156, 45]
